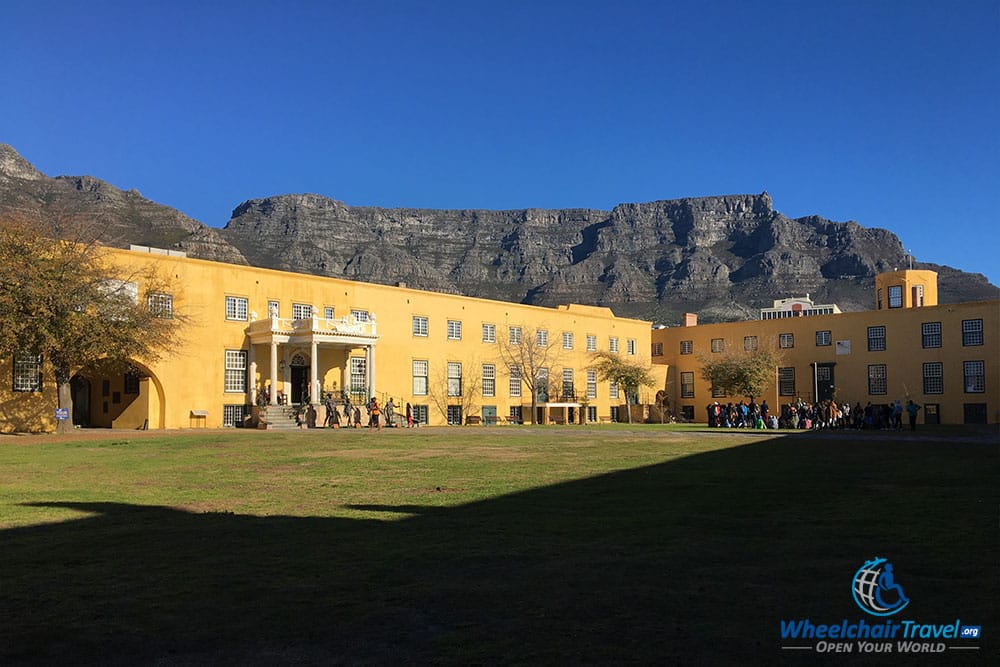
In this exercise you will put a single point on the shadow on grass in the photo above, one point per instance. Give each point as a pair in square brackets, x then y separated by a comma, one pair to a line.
[695, 560]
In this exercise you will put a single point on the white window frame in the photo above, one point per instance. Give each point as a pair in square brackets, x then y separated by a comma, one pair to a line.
[160, 304]
[360, 315]
[359, 375]
[718, 345]
[613, 390]
[237, 308]
[421, 373]
[516, 382]
[454, 378]
[514, 335]
[630, 347]
[27, 372]
[329, 312]
[613, 344]
[750, 343]
[591, 383]
[301, 311]
[876, 338]
[489, 380]
[933, 377]
[786, 341]
[974, 376]
[687, 347]
[542, 338]
[567, 340]
[591, 343]
[489, 333]
[972, 333]
[235, 380]
[420, 326]
[687, 387]
[454, 330]
[568, 385]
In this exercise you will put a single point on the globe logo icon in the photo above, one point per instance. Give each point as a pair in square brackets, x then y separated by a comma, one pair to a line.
[875, 589]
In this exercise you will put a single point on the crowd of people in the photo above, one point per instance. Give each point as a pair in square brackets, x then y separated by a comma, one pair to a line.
[348, 415]
[804, 415]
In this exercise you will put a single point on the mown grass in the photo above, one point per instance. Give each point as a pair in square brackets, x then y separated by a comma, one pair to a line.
[515, 545]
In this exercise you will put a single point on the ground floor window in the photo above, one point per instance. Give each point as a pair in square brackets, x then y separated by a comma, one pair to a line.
[934, 377]
[877, 382]
[687, 384]
[516, 414]
[614, 413]
[786, 381]
[236, 371]
[359, 376]
[233, 415]
[592, 413]
[27, 372]
[455, 414]
[420, 414]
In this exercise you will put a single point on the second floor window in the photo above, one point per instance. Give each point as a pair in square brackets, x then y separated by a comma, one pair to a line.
[823, 338]
[687, 347]
[786, 341]
[687, 384]
[972, 332]
[749, 343]
[567, 340]
[876, 339]
[930, 334]
[236, 308]
[454, 330]
[514, 335]
[161, 305]
[301, 311]
[489, 333]
[27, 372]
[419, 325]
[454, 379]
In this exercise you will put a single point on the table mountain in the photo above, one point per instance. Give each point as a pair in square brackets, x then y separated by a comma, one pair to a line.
[723, 257]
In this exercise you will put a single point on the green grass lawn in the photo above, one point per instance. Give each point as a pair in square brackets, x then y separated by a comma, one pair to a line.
[641, 544]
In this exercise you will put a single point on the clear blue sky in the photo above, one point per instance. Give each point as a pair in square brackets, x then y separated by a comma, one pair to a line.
[883, 112]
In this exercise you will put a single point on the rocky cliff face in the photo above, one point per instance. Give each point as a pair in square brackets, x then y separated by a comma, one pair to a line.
[86, 206]
[723, 257]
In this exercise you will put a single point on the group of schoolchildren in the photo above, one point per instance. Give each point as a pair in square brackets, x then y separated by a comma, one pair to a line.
[741, 415]
[352, 414]
[803, 415]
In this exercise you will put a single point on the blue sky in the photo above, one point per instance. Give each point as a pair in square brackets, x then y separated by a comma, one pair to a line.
[881, 112]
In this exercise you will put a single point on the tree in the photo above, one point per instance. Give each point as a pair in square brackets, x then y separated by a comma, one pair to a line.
[67, 303]
[742, 373]
[628, 375]
[530, 353]
[455, 384]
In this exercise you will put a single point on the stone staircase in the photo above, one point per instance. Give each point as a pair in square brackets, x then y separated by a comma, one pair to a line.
[282, 418]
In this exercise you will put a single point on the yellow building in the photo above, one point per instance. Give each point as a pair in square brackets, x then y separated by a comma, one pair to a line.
[945, 358]
[255, 336]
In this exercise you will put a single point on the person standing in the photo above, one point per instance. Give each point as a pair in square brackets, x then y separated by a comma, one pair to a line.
[912, 409]
[390, 413]
[373, 415]
[409, 416]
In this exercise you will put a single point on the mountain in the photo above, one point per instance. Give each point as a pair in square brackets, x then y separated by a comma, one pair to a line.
[722, 257]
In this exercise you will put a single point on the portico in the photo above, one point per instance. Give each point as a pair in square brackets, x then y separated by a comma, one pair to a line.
[292, 343]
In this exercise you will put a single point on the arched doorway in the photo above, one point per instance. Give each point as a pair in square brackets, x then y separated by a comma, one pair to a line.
[299, 377]
[109, 394]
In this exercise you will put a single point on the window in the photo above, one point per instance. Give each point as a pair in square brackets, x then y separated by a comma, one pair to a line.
[718, 345]
[160, 305]
[301, 311]
[896, 296]
[515, 382]
[786, 341]
[359, 376]
[514, 335]
[420, 372]
[972, 332]
[687, 384]
[749, 343]
[687, 347]
[568, 391]
[233, 415]
[877, 382]
[567, 340]
[934, 377]
[975, 376]
[27, 372]
[542, 385]
[359, 315]
[454, 378]
[613, 343]
[930, 334]
[131, 384]
[454, 330]
[328, 312]
[591, 343]
[420, 413]
[489, 333]
[656, 349]
[419, 325]
[455, 415]
[592, 384]
[917, 296]
[823, 338]
[236, 308]
[236, 371]
[786, 381]
[718, 392]
[516, 414]
[878, 292]
[613, 390]
[876, 339]
[630, 346]
[273, 309]
[489, 380]
[542, 338]
[592, 413]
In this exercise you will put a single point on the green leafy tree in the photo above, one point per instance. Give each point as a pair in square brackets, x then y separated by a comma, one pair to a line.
[628, 375]
[66, 302]
[742, 373]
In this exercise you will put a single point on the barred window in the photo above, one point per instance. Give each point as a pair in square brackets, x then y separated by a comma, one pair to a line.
[514, 335]
[592, 384]
[591, 343]
[824, 338]
[975, 376]
[749, 343]
[454, 330]
[515, 382]
[568, 390]
[687, 384]
[718, 345]
[489, 380]
[236, 371]
[786, 381]
[420, 371]
[301, 311]
[489, 333]
[687, 347]
[419, 325]
[236, 308]
[160, 305]
[630, 346]
[786, 341]
[454, 378]
[542, 338]
[613, 344]
[567, 340]
[876, 339]
[972, 332]
[930, 334]
[896, 296]
[877, 381]
[933, 377]
[27, 372]
[656, 349]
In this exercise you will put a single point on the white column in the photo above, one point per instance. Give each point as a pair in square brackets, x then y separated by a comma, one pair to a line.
[370, 370]
[253, 374]
[274, 373]
[313, 373]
